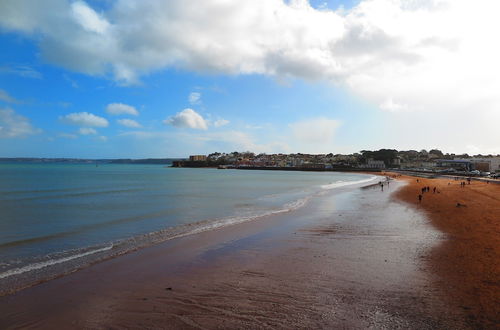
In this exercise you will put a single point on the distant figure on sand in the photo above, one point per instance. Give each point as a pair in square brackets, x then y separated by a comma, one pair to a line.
[420, 198]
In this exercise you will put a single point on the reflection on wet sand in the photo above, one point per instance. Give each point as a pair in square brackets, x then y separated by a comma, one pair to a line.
[354, 258]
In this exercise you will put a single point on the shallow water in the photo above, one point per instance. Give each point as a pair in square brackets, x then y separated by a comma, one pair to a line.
[52, 213]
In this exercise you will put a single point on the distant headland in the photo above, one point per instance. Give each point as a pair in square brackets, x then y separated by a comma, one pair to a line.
[161, 161]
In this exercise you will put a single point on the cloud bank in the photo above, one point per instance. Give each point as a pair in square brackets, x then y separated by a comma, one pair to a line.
[382, 49]
[425, 59]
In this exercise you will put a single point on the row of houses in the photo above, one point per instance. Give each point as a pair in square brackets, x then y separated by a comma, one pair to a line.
[327, 161]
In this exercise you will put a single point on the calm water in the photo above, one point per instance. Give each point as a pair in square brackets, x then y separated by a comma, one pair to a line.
[49, 208]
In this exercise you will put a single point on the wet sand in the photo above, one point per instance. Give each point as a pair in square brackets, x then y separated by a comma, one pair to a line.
[353, 259]
[467, 263]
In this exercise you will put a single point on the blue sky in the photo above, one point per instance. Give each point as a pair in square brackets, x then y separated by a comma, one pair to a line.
[105, 79]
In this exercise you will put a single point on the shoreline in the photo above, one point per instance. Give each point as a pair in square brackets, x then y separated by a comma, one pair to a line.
[64, 263]
[353, 258]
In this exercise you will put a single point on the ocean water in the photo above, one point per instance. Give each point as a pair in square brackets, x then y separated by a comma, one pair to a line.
[56, 213]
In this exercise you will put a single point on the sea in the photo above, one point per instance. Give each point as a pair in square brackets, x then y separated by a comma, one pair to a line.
[55, 218]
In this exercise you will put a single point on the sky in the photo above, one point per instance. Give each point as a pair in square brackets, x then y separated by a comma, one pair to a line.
[158, 78]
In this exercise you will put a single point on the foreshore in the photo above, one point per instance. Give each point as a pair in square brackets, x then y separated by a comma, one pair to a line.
[355, 258]
[467, 263]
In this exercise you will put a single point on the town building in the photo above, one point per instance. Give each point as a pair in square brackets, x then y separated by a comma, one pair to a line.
[456, 164]
[197, 158]
[375, 163]
[486, 164]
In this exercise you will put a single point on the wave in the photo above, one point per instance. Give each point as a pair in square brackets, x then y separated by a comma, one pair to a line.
[50, 262]
[140, 241]
[347, 183]
[82, 229]
[81, 194]
[123, 246]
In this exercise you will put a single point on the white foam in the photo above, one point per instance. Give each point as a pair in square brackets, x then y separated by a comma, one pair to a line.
[203, 226]
[348, 183]
[215, 224]
[51, 262]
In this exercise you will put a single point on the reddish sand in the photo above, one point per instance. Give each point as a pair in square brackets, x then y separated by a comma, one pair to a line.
[357, 259]
[467, 264]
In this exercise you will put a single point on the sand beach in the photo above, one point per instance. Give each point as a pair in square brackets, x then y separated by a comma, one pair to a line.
[355, 258]
[467, 263]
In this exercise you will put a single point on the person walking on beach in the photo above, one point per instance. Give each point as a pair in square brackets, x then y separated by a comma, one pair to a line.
[434, 190]
[420, 198]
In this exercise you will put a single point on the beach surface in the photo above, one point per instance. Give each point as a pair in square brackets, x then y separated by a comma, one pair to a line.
[352, 258]
[467, 263]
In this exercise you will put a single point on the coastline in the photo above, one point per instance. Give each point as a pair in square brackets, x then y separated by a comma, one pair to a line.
[354, 258]
[467, 264]
[59, 264]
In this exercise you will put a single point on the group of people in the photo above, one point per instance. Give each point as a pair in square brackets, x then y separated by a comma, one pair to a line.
[387, 180]
[426, 189]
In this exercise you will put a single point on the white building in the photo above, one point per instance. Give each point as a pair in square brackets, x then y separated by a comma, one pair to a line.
[486, 164]
[375, 163]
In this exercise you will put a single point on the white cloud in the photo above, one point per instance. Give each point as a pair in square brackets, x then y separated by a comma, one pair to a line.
[87, 131]
[13, 125]
[319, 131]
[88, 18]
[187, 118]
[121, 109]
[4, 96]
[195, 98]
[21, 70]
[234, 140]
[221, 122]
[68, 136]
[182, 143]
[84, 119]
[391, 106]
[380, 41]
[102, 138]
[129, 123]
[380, 49]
